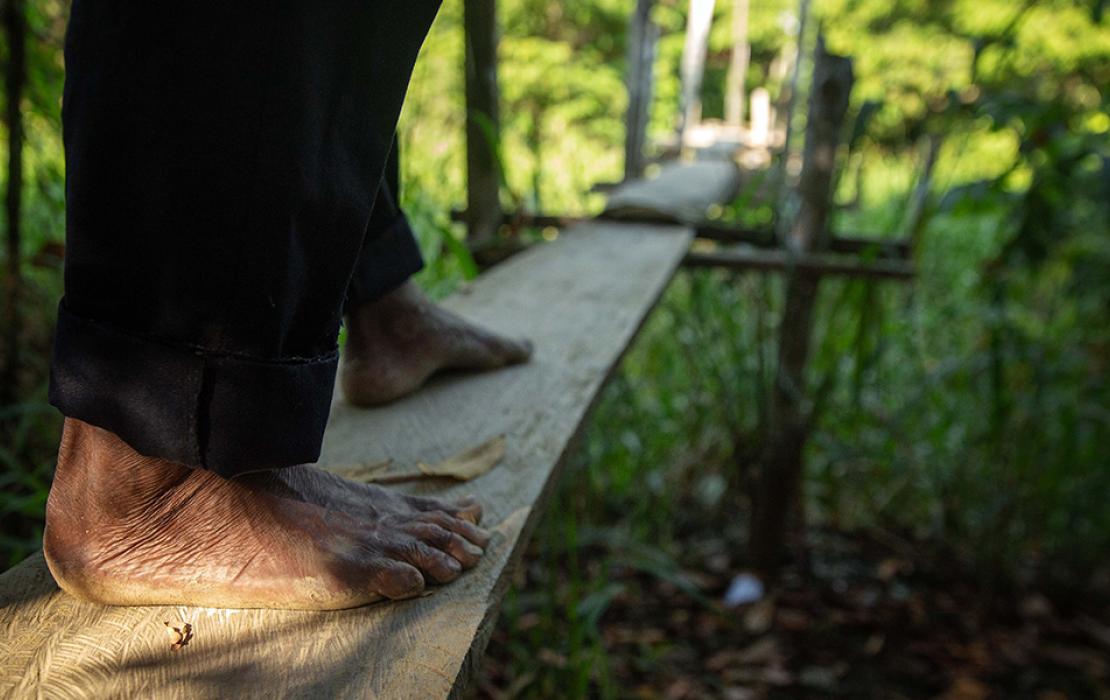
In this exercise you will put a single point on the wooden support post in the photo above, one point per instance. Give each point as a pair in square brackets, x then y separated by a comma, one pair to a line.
[738, 66]
[642, 38]
[698, 23]
[917, 211]
[789, 420]
[483, 177]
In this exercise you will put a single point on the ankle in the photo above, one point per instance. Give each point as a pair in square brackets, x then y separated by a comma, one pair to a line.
[98, 471]
[101, 487]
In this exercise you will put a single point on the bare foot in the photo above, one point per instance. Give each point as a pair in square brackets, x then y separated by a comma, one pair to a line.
[124, 529]
[394, 344]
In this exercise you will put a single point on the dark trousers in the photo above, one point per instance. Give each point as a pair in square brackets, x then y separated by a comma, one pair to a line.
[230, 185]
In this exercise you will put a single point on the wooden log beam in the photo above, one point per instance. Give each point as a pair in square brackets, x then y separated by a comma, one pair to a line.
[845, 244]
[724, 233]
[781, 261]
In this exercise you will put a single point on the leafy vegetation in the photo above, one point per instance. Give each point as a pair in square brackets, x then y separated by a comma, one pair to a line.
[965, 416]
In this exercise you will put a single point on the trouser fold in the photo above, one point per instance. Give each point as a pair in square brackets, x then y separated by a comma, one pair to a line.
[228, 413]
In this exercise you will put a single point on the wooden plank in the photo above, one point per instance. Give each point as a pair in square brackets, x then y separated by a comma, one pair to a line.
[582, 299]
[680, 193]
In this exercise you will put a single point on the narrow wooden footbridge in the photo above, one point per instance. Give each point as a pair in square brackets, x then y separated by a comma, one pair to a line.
[582, 299]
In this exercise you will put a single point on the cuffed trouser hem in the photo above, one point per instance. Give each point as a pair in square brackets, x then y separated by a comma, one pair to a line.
[227, 413]
[385, 263]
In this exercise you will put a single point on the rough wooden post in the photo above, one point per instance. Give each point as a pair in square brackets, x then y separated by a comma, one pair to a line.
[780, 468]
[642, 38]
[738, 66]
[698, 23]
[917, 211]
[483, 203]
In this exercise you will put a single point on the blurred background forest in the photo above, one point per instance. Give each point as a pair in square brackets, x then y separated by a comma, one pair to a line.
[956, 498]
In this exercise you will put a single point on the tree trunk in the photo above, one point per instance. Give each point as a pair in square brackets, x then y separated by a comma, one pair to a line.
[483, 177]
[781, 465]
[15, 28]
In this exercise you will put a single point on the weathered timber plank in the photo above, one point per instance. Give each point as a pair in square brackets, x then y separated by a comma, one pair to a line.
[582, 299]
[680, 193]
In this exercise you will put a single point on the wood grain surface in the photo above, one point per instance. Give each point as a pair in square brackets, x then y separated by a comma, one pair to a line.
[581, 299]
[679, 193]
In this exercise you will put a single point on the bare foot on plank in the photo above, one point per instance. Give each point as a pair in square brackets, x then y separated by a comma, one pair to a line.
[394, 344]
[124, 529]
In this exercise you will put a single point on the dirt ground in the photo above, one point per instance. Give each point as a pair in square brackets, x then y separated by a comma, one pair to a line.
[868, 615]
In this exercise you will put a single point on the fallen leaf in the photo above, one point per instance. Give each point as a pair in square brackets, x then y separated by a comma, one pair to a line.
[466, 465]
[762, 651]
[760, 616]
[367, 470]
[469, 464]
[792, 620]
[823, 678]
[874, 644]
[889, 568]
[181, 635]
[1036, 606]
[551, 658]
[966, 688]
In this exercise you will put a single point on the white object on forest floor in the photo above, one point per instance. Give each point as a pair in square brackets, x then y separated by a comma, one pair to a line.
[744, 590]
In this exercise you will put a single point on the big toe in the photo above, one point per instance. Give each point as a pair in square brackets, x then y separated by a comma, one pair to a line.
[514, 350]
[396, 579]
[481, 349]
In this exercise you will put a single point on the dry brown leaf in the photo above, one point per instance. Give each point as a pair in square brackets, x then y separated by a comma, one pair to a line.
[180, 635]
[966, 688]
[367, 471]
[468, 464]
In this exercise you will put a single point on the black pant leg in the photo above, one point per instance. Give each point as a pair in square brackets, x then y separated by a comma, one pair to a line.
[390, 254]
[222, 163]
